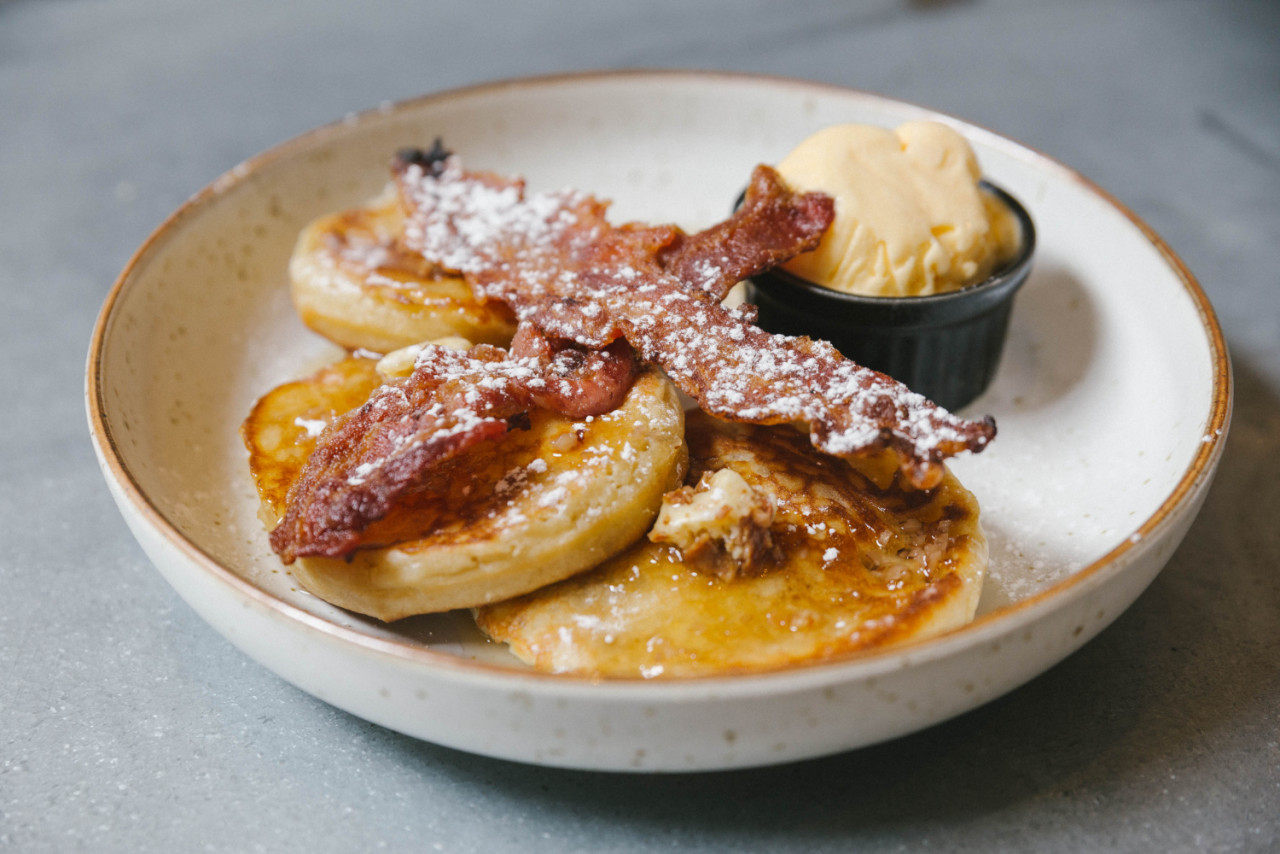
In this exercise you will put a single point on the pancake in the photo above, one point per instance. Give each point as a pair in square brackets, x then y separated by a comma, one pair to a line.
[857, 566]
[503, 519]
[355, 282]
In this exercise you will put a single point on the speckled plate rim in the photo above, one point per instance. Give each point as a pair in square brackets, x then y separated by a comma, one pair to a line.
[997, 623]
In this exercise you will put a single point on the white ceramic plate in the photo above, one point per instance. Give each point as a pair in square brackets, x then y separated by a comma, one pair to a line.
[1113, 401]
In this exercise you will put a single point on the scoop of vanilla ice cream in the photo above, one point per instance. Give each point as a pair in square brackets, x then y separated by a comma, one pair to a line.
[910, 217]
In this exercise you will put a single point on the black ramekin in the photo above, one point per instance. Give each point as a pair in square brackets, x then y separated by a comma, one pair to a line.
[944, 346]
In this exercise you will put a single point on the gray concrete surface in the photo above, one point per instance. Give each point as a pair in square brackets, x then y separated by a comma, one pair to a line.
[126, 724]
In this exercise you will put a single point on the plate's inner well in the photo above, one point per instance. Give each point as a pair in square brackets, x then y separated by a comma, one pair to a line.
[1100, 398]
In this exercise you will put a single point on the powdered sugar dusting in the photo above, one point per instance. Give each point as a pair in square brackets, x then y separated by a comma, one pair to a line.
[558, 263]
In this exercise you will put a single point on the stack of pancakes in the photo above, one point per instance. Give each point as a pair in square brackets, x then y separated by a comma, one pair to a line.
[543, 532]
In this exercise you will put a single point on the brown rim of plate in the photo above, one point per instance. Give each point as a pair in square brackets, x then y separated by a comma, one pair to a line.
[875, 662]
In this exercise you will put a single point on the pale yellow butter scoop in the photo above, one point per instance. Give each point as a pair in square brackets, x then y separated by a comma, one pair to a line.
[910, 218]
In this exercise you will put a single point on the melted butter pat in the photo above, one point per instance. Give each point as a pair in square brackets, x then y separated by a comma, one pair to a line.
[719, 509]
[399, 363]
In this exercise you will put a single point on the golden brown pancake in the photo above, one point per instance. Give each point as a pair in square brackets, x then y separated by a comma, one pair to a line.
[861, 567]
[503, 519]
[356, 283]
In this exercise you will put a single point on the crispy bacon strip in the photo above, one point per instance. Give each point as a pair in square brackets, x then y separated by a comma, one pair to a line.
[558, 263]
[371, 457]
